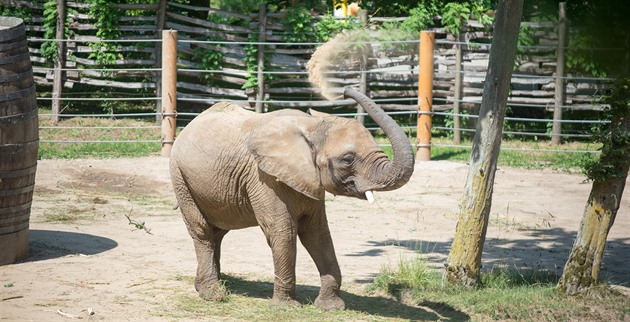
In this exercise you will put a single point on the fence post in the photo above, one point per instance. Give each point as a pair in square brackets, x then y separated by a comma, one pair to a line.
[161, 24]
[363, 83]
[559, 95]
[60, 59]
[169, 90]
[262, 20]
[457, 91]
[425, 94]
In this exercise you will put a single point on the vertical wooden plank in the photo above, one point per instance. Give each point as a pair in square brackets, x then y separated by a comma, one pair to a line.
[457, 92]
[363, 83]
[559, 94]
[169, 89]
[160, 25]
[425, 94]
[262, 20]
[60, 59]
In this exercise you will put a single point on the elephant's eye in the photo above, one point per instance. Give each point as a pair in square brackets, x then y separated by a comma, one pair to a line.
[348, 159]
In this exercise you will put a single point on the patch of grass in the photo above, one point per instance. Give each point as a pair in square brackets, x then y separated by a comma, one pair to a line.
[514, 153]
[70, 215]
[97, 129]
[505, 294]
[525, 158]
[249, 301]
[409, 273]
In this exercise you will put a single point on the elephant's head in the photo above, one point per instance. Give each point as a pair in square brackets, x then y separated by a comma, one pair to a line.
[322, 152]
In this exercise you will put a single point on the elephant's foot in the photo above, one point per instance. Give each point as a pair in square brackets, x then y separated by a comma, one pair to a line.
[216, 292]
[284, 301]
[330, 303]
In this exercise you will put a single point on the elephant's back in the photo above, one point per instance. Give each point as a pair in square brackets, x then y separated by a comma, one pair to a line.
[222, 123]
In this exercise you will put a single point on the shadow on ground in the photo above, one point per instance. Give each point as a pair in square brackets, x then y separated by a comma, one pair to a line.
[546, 249]
[372, 305]
[48, 244]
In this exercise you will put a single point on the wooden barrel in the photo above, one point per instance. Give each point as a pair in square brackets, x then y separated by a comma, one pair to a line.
[19, 140]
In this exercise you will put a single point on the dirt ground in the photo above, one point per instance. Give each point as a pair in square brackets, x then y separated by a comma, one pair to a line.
[86, 258]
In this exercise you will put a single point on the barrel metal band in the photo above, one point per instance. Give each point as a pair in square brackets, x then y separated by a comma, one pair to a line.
[16, 77]
[14, 119]
[18, 173]
[13, 192]
[11, 45]
[25, 56]
[17, 94]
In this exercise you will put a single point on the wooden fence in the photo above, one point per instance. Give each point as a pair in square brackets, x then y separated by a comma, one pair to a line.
[391, 75]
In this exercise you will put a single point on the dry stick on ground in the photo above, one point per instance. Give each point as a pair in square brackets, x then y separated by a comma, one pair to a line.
[137, 224]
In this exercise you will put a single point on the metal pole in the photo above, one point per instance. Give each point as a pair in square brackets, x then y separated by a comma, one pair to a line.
[425, 94]
[169, 89]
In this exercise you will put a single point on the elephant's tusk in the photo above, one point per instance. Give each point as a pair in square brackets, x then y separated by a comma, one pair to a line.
[370, 197]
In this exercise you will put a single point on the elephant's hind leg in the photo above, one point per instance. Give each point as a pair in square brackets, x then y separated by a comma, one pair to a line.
[207, 242]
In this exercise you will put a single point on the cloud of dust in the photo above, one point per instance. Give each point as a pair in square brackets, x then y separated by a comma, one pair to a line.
[322, 60]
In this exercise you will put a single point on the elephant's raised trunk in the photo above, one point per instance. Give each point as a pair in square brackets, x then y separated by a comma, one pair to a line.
[396, 173]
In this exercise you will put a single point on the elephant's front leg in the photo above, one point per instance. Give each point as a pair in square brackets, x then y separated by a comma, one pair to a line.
[315, 236]
[281, 233]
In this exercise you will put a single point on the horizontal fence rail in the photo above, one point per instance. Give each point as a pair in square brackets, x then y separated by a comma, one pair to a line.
[127, 86]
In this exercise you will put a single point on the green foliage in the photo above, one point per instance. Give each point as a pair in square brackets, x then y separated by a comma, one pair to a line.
[420, 18]
[579, 59]
[107, 18]
[208, 58]
[18, 12]
[329, 26]
[299, 22]
[49, 48]
[614, 136]
[453, 14]
[251, 62]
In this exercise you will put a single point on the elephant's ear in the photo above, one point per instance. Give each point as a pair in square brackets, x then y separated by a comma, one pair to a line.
[282, 150]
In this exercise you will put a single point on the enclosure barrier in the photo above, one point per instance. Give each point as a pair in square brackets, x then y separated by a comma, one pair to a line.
[390, 81]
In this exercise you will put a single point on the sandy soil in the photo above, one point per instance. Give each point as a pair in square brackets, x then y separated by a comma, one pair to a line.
[85, 255]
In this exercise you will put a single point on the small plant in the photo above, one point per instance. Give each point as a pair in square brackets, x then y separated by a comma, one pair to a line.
[107, 17]
[138, 225]
[614, 137]
[409, 274]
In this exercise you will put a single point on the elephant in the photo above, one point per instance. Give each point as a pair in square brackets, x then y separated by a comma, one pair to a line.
[232, 168]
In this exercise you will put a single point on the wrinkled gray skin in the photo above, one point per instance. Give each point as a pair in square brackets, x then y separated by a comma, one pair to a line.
[232, 169]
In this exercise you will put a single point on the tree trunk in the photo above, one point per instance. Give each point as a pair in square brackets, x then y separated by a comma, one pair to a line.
[582, 268]
[464, 262]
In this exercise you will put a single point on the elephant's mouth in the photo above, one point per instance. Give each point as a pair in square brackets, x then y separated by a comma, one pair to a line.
[353, 190]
